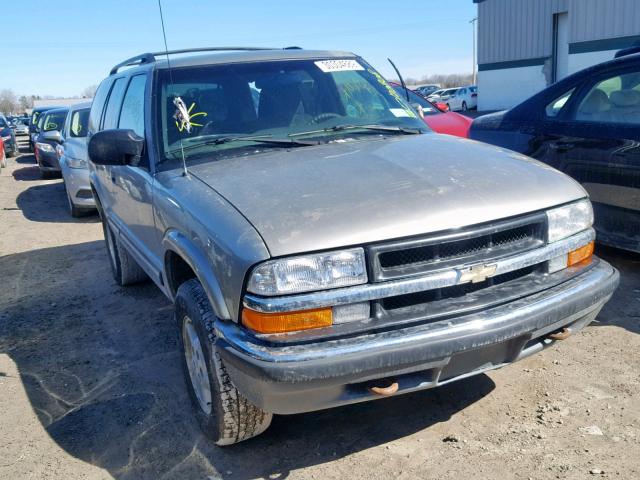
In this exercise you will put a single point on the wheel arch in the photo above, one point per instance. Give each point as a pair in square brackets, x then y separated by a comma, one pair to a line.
[182, 261]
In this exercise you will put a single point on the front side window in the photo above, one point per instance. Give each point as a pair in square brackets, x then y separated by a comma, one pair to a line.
[279, 100]
[79, 121]
[614, 100]
[113, 104]
[97, 106]
[553, 108]
[132, 114]
[54, 121]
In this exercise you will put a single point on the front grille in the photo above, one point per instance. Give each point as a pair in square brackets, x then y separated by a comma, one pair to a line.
[455, 291]
[456, 249]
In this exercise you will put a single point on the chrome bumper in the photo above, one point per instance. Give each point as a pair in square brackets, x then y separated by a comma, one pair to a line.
[440, 279]
[302, 377]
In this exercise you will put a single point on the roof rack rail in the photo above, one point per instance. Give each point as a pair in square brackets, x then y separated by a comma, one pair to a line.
[137, 60]
[212, 49]
[627, 51]
[151, 57]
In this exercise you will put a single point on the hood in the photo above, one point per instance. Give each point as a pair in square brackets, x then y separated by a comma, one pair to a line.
[490, 121]
[342, 194]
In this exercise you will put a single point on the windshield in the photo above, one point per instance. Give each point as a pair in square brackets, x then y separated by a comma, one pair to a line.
[278, 100]
[35, 117]
[53, 121]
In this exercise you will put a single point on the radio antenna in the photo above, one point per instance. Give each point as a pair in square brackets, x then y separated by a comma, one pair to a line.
[166, 51]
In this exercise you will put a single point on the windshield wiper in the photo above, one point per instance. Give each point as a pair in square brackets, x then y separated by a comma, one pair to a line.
[269, 139]
[374, 127]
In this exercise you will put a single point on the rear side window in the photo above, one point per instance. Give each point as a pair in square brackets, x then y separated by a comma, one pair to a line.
[97, 107]
[614, 100]
[79, 122]
[132, 114]
[113, 104]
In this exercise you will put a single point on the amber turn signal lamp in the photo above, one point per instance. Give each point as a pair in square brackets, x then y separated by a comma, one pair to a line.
[286, 321]
[581, 254]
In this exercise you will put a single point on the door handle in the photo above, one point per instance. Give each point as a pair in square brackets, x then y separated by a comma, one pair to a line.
[561, 146]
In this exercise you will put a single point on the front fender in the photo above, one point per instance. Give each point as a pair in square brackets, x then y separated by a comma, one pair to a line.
[197, 260]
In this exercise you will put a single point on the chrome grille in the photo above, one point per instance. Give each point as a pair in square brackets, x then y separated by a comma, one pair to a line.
[456, 249]
[455, 291]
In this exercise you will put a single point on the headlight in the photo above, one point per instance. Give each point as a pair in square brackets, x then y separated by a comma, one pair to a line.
[569, 220]
[309, 272]
[76, 162]
[45, 147]
[7, 138]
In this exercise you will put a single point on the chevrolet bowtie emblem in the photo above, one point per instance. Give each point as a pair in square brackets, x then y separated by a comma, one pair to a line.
[477, 273]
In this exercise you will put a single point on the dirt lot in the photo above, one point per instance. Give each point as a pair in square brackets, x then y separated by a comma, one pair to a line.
[91, 387]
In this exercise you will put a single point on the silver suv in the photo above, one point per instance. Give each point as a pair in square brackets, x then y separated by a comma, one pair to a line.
[320, 246]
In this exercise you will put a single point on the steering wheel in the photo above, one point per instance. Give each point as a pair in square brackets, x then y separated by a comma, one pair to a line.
[324, 116]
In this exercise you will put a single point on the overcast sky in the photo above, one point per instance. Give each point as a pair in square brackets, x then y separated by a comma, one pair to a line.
[62, 47]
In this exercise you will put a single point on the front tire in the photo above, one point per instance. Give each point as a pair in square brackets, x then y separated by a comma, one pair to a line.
[464, 106]
[125, 269]
[223, 413]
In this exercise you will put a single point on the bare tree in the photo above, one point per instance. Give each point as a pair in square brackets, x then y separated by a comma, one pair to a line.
[25, 102]
[8, 101]
[89, 92]
[446, 81]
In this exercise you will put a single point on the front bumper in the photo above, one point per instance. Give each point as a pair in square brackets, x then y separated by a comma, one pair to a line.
[288, 379]
[77, 183]
[48, 162]
[11, 146]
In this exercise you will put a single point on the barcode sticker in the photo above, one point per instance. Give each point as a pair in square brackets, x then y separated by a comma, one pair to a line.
[328, 66]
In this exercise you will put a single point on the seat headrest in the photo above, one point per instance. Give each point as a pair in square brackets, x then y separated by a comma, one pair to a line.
[625, 98]
[596, 102]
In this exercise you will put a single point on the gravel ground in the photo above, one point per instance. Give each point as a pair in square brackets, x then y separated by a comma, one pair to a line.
[91, 386]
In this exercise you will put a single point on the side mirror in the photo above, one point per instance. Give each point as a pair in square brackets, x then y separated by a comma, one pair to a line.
[115, 147]
[53, 136]
[442, 106]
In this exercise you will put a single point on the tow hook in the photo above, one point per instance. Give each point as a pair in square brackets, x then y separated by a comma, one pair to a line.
[385, 391]
[561, 334]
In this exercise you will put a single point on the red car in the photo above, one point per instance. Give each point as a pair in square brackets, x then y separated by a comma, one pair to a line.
[3, 156]
[439, 119]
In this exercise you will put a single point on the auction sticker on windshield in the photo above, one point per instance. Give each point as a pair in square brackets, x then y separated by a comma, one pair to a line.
[328, 66]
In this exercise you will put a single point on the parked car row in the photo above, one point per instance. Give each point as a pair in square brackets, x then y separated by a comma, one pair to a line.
[58, 139]
[457, 99]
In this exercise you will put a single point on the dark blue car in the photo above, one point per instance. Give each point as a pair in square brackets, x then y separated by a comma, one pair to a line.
[9, 137]
[588, 126]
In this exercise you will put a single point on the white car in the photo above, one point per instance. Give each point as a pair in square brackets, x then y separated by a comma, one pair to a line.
[22, 128]
[463, 98]
[437, 95]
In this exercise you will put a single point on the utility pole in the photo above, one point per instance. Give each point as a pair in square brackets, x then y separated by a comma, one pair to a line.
[473, 23]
